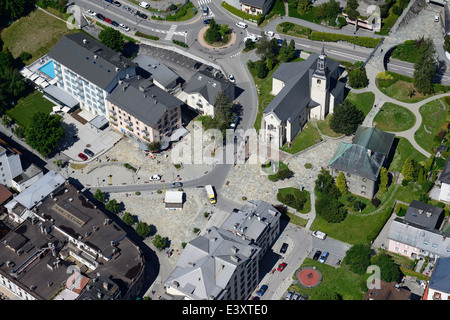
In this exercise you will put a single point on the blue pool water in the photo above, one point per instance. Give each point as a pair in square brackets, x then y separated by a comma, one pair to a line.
[48, 69]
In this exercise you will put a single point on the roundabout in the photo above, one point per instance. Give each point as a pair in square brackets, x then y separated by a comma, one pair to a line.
[203, 43]
[309, 277]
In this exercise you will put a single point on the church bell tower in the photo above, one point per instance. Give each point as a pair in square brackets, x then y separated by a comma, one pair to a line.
[320, 87]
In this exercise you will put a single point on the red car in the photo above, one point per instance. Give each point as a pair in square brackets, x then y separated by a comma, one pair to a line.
[108, 20]
[281, 266]
[82, 156]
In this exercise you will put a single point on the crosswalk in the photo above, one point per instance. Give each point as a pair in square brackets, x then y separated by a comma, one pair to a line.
[203, 2]
[169, 33]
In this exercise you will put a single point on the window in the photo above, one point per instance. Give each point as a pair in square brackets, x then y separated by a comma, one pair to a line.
[318, 81]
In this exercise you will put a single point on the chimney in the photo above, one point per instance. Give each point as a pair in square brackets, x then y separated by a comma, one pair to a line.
[85, 41]
[369, 152]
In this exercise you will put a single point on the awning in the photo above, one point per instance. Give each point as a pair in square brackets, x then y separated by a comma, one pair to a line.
[179, 133]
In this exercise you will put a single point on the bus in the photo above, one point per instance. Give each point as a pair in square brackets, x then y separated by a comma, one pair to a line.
[210, 193]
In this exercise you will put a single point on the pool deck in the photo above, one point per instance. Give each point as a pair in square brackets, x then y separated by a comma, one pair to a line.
[39, 63]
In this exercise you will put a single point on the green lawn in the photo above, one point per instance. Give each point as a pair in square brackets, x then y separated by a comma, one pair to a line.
[434, 116]
[402, 152]
[26, 107]
[21, 36]
[348, 285]
[296, 192]
[363, 101]
[324, 127]
[305, 139]
[394, 118]
[406, 51]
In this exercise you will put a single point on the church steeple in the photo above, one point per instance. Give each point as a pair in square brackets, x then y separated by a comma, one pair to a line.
[321, 68]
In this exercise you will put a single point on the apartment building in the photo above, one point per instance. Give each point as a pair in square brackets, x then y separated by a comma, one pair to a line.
[88, 70]
[64, 233]
[143, 111]
[223, 263]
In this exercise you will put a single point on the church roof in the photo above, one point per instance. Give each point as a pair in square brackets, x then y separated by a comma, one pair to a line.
[296, 95]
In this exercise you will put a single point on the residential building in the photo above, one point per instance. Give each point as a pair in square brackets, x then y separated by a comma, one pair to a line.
[418, 234]
[257, 221]
[144, 111]
[223, 263]
[361, 161]
[303, 90]
[39, 253]
[203, 88]
[19, 208]
[438, 288]
[218, 265]
[162, 75]
[256, 7]
[444, 179]
[388, 291]
[10, 165]
[89, 70]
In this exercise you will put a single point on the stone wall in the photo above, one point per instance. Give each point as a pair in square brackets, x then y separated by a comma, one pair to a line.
[412, 11]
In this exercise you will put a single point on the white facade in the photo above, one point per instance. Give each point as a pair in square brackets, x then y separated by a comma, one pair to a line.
[91, 97]
[10, 166]
[444, 194]
[198, 102]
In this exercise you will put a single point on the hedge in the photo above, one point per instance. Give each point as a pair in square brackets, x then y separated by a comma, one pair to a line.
[334, 37]
[147, 36]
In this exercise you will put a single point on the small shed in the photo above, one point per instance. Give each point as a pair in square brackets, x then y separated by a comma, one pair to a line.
[173, 200]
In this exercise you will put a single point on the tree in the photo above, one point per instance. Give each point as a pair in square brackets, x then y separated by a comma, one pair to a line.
[143, 229]
[408, 169]
[222, 109]
[357, 78]
[99, 195]
[249, 45]
[44, 132]
[384, 179]
[358, 258]
[154, 146]
[128, 218]
[304, 6]
[267, 48]
[287, 52]
[346, 118]
[341, 184]
[113, 206]
[159, 242]
[112, 38]
[330, 209]
[425, 66]
[389, 271]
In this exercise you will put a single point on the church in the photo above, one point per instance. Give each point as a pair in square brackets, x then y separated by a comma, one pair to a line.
[303, 90]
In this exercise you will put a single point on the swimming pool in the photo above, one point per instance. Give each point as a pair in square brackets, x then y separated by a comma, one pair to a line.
[48, 69]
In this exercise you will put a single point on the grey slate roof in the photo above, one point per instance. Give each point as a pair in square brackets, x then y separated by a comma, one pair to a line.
[208, 262]
[91, 60]
[433, 241]
[254, 3]
[366, 155]
[440, 278]
[252, 219]
[296, 95]
[425, 215]
[142, 99]
[207, 85]
[445, 174]
[158, 71]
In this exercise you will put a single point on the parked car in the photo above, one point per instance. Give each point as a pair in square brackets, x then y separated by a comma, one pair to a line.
[241, 24]
[144, 4]
[296, 296]
[289, 295]
[207, 21]
[317, 255]
[127, 8]
[100, 16]
[82, 156]
[109, 1]
[281, 266]
[143, 16]
[91, 13]
[323, 257]
[262, 290]
[155, 177]
[108, 20]
[89, 152]
[234, 123]
[284, 247]
[209, 68]
[124, 27]
[231, 78]
[436, 18]
[117, 3]
[319, 234]
[115, 24]
[280, 41]
[304, 297]
[176, 185]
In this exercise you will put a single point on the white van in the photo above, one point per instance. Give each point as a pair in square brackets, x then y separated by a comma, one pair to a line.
[241, 24]
[319, 234]
[436, 18]
[144, 4]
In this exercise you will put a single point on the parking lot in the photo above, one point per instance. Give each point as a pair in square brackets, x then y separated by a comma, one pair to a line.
[335, 248]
